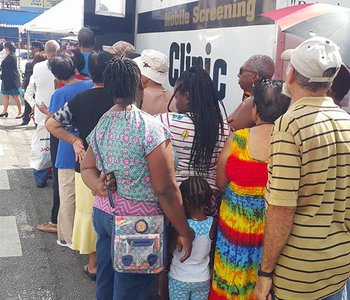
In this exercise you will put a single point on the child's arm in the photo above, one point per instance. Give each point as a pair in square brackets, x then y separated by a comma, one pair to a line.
[213, 230]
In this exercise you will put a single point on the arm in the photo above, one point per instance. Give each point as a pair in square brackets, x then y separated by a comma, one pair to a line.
[221, 179]
[30, 91]
[91, 176]
[278, 225]
[241, 117]
[162, 173]
[56, 129]
[281, 196]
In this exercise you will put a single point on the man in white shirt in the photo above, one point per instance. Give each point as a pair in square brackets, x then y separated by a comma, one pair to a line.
[44, 83]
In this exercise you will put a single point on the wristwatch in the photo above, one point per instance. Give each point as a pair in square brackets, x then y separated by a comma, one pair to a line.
[264, 274]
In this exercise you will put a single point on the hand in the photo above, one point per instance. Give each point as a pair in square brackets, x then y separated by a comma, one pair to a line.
[185, 243]
[79, 150]
[43, 108]
[32, 113]
[101, 188]
[262, 290]
[111, 182]
[104, 181]
[229, 121]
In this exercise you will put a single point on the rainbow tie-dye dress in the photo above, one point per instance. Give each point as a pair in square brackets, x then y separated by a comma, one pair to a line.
[241, 224]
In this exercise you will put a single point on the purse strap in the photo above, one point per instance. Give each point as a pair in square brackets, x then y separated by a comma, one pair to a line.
[104, 171]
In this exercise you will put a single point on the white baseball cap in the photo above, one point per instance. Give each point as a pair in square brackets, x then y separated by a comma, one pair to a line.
[154, 65]
[317, 58]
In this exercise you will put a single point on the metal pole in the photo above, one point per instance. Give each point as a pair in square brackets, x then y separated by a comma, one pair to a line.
[28, 45]
[19, 47]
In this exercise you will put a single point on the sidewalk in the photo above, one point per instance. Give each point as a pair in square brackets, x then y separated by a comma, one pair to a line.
[32, 265]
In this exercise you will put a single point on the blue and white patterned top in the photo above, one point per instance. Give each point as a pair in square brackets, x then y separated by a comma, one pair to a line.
[124, 139]
[196, 267]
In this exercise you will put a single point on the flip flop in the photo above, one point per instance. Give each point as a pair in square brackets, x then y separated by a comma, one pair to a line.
[47, 227]
[92, 276]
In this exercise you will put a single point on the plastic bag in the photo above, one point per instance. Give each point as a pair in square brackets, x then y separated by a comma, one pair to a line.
[40, 157]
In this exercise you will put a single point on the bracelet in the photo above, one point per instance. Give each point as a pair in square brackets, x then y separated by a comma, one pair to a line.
[264, 274]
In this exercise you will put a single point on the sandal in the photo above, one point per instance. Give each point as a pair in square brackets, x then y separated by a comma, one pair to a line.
[92, 276]
[47, 227]
[64, 244]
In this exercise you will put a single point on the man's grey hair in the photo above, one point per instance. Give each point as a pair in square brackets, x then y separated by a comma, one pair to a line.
[52, 48]
[263, 65]
[311, 86]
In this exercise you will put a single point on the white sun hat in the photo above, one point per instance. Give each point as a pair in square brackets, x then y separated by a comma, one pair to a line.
[154, 65]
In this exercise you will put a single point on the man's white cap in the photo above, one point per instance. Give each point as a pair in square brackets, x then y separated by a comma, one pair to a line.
[154, 65]
[317, 58]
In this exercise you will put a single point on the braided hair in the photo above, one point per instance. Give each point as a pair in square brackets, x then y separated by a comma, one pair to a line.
[195, 192]
[205, 114]
[122, 79]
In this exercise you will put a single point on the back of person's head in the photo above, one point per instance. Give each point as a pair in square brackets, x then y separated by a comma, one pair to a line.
[341, 84]
[204, 109]
[62, 67]
[39, 56]
[78, 60]
[196, 193]
[269, 100]
[122, 79]
[86, 38]
[263, 65]
[52, 48]
[97, 63]
[10, 46]
[315, 62]
[39, 46]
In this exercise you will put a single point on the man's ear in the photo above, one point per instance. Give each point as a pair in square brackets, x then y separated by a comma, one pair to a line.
[290, 74]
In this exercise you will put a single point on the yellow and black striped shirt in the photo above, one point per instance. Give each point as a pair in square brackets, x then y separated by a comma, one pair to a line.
[309, 168]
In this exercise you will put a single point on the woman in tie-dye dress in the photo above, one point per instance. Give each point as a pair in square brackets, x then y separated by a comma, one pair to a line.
[242, 174]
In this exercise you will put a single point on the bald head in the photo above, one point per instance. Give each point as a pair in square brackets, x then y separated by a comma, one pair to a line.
[262, 64]
[52, 48]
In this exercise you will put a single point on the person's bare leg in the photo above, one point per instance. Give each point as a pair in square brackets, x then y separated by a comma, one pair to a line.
[18, 103]
[6, 100]
[92, 263]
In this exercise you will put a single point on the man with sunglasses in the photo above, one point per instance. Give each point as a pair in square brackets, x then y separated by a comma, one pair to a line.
[253, 71]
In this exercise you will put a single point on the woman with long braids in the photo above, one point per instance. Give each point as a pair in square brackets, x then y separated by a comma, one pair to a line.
[198, 130]
[136, 148]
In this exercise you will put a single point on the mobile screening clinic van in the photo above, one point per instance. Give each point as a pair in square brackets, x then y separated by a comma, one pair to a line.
[216, 34]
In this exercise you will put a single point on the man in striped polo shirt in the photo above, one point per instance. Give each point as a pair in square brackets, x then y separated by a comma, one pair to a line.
[307, 241]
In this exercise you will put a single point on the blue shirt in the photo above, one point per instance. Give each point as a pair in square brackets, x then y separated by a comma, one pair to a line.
[65, 154]
[85, 71]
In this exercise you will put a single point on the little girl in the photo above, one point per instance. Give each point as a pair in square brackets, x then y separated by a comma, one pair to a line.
[191, 279]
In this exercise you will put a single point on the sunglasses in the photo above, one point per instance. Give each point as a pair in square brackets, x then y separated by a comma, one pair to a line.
[241, 71]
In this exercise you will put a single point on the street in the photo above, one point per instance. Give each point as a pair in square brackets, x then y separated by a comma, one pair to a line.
[32, 265]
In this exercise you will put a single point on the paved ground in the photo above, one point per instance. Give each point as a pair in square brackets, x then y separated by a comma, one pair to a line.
[32, 265]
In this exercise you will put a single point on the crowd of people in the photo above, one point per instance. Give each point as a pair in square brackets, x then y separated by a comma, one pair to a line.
[256, 203]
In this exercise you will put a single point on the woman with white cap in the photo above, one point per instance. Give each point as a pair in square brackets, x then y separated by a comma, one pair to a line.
[154, 69]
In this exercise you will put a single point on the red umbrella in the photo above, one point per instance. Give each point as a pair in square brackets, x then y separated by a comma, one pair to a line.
[304, 20]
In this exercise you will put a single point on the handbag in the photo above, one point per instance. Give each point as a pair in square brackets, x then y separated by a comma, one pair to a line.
[138, 242]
